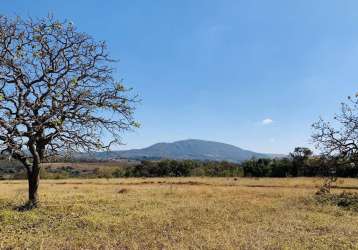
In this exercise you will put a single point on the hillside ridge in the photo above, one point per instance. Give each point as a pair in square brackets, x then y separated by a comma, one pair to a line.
[194, 149]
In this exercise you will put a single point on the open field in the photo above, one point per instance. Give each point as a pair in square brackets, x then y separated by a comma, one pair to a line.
[177, 213]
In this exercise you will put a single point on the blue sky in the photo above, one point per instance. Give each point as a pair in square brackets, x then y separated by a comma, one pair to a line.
[255, 74]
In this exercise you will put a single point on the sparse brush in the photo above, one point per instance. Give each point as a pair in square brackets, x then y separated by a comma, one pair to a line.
[347, 200]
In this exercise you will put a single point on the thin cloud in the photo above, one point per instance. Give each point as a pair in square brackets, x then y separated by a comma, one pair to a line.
[267, 121]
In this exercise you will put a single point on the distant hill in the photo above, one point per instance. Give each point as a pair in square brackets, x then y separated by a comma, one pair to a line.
[188, 149]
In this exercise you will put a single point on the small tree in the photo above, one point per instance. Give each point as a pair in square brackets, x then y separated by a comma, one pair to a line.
[338, 140]
[299, 157]
[57, 94]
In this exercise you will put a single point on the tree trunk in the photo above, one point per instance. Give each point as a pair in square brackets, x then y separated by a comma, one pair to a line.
[34, 181]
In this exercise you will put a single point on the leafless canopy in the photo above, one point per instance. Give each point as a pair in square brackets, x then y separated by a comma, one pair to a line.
[57, 91]
[339, 138]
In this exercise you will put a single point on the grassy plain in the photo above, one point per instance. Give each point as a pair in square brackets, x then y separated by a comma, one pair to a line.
[177, 213]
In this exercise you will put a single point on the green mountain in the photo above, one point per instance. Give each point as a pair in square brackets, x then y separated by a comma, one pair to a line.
[188, 149]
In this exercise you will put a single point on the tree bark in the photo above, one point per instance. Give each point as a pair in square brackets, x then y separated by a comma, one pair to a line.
[34, 181]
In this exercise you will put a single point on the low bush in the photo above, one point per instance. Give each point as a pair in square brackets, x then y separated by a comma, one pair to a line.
[346, 200]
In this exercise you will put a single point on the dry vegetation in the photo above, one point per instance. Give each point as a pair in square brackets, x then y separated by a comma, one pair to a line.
[177, 213]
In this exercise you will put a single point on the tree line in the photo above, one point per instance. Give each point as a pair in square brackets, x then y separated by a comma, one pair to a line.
[291, 166]
[301, 162]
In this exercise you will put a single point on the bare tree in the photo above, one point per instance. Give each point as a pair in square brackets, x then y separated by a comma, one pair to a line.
[339, 137]
[57, 94]
[338, 140]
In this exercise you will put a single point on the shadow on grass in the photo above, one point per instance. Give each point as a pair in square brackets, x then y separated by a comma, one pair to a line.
[28, 206]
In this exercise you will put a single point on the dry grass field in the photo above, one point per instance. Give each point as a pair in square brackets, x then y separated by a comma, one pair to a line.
[177, 213]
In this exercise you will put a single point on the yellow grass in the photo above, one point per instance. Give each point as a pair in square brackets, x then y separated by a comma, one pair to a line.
[176, 213]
